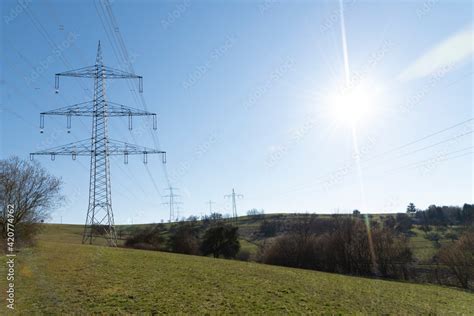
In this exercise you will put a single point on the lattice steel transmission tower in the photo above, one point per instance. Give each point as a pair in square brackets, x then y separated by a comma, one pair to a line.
[210, 202]
[173, 204]
[100, 218]
[233, 196]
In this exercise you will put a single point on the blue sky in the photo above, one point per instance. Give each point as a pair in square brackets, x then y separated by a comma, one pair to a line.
[243, 94]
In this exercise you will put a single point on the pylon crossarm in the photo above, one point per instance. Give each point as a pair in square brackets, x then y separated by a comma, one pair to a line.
[114, 148]
[92, 72]
[87, 109]
[101, 71]
[118, 147]
[114, 73]
[85, 72]
[80, 148]
[79, 109]
[116, 109]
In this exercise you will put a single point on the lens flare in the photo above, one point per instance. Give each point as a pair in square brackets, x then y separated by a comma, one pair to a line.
[352, 105]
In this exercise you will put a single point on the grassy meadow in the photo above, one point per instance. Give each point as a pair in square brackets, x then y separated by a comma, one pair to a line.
[61, 275]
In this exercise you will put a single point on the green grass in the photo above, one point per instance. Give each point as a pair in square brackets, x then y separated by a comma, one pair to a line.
[423, 249]
[66, 233]
[250, 247]
[64, 276]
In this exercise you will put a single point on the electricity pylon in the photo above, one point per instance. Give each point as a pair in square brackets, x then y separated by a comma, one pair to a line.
[173, 204]
[233, 195]
[100, 218]
[210, 205]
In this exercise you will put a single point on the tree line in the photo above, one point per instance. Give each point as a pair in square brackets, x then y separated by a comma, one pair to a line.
[341, 244]
[361, 245]
[442, 215]
[213, 237]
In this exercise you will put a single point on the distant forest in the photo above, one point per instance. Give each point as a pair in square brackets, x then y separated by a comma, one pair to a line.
[443, 215]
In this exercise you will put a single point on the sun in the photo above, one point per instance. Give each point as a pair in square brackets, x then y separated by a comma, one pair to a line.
[352, 105]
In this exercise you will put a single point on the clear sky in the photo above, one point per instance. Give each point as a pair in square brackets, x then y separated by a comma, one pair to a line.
[248, 96]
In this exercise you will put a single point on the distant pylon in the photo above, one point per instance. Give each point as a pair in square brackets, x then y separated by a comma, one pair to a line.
[210, 205]
[233, 196]
[100, 218]
[173, 204]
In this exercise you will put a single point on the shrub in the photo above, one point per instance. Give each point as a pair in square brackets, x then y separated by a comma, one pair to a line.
[393, 256]
[149, 238]
[291, 250]
[434, 237]
[269, 228]
[403, 223]
[184, 239]
[221, 240]
[459, 257]
[256, 213]
[451, 235]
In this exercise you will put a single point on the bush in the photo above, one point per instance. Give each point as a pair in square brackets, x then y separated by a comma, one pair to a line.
[184, 239]
[214, 218]
[459, 257]
[291, 250]
[403, 223]
[451, 235]
[269, 228]
[221, 240]
[149, 238]
[393, 256]
[434, 237]
[256, 213]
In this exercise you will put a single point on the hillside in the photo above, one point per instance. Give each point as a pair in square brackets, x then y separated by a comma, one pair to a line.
[251, 236]
[60, 275]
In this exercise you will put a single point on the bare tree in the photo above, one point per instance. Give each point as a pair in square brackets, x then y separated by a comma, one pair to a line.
[31, 192]
[459, 257]
[341, 246]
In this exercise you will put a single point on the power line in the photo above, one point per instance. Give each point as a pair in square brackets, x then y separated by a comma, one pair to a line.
[321, 179]
[421, 139]
[103, 21]
[42, 30]
[120, 51]
[433, 159]
[128, 63]
[56, 119]
[436, 144]
[100, 218]
[424, 148]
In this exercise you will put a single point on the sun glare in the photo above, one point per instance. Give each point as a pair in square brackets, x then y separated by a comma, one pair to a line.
[352, 105]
